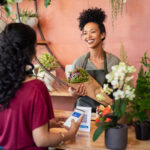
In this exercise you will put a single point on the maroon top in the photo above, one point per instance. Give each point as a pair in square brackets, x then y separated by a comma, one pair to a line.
[30, 108]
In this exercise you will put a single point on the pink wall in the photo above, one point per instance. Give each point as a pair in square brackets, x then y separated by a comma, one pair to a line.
[60, 27]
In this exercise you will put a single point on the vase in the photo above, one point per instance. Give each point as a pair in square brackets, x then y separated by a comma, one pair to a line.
[116, 137]
[48, 80]
[142, 130]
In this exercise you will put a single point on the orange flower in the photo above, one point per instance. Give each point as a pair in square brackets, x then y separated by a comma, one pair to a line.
[106, 111]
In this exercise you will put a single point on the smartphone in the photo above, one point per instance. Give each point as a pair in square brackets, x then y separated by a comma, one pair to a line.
[77, 113]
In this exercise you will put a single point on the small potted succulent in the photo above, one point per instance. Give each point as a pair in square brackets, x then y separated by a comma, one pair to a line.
[50, 63]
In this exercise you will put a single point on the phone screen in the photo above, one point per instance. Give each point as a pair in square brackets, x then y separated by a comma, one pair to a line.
[75, 115]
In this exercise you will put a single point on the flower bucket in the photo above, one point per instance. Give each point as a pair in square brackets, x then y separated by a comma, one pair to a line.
[116, 137]
[142, 130]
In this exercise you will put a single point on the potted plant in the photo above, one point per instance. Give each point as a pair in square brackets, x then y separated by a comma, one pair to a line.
[7, 4]
[50, 63]
[27, 17]
[122, 91]
[141, 104]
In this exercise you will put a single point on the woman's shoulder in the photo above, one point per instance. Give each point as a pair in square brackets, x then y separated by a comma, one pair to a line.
[34, 83]
[78, 62]
[111, 61]
[112, 57]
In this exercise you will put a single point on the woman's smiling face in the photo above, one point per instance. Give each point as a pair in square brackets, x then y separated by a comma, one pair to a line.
[91, 35]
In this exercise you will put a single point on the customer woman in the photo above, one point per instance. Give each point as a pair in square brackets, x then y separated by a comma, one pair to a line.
[97, 62]
[25, 104]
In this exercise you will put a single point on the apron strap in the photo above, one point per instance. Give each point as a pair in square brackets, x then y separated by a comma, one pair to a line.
[105, 61]
[86, 60]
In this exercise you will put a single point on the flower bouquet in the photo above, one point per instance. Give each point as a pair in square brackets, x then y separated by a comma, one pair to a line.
[80, 76]
[119, 86]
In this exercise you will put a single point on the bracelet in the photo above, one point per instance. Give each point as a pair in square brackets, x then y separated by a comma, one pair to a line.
[62, 142]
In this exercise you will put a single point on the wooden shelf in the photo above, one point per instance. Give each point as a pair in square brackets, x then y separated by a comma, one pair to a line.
[39, 42]
[61, 92]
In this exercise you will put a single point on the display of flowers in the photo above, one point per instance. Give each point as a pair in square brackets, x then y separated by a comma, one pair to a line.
[120, 89]
[119, 82]
[77, 76]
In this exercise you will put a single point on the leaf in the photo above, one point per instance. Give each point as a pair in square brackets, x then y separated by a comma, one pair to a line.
[8, 10]
[99, 131]
[47, 3]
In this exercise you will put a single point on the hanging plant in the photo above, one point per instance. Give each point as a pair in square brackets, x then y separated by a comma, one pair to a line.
[117, 7]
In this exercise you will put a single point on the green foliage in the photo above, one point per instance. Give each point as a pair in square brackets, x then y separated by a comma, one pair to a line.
[27, 13]
[77, 76]
[48, 61]
[47, 3]
[8, 4]
[99, 131]
[141, 103]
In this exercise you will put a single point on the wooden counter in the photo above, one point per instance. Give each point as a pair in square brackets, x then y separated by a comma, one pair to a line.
[83, 140]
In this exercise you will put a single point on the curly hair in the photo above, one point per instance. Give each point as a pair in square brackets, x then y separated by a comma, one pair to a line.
[96, 15]
[17, 48]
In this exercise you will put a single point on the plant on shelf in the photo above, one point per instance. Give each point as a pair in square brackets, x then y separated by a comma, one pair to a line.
[122, 91]
[7, 5]
[141, 104]
[27, 17]
[50, 64]
[48, 61]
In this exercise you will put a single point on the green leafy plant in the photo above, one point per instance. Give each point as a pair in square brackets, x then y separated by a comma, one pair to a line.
[25, 14]
[8, 4]
[77, 76]
[141, 104]
[118, 85]
[48, 61]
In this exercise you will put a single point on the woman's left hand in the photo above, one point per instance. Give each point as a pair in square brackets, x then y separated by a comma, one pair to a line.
[57, 122]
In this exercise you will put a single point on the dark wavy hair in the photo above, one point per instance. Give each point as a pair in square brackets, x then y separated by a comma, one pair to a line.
[17, 48]
[96, 15]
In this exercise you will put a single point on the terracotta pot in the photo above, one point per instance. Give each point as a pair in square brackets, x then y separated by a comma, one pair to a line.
[142, 130]
[116, 137]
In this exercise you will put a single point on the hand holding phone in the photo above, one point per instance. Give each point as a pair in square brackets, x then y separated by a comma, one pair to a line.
[76, 115]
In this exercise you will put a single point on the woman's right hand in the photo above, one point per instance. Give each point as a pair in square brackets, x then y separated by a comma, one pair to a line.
[74, 127]
[80, 90]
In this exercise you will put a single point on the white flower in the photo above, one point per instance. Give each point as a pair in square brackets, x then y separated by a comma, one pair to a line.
[118, 94]
[114, 68]
[130, 94]
[115, 84]
[119, 75]
[128, 79]
[100, 97]
[106, 89]
[131, 69]
[109, 77]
